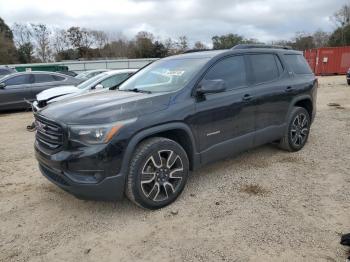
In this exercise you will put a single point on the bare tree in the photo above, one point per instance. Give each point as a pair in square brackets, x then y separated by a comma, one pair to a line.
[41, 34]
[100, 38]
[60, 41]
[342, 16]
[22, 34]
[320, 38]
[182, 43]
[23, 40]
[199, 45]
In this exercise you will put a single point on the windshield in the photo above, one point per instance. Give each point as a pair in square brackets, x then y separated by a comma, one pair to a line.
[88, 83]
[165, 75]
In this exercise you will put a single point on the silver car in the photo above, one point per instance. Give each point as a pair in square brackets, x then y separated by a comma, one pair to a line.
[19, 88]
[104, 80]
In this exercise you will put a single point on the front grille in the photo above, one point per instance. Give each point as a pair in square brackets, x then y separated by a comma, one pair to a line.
[48, 133]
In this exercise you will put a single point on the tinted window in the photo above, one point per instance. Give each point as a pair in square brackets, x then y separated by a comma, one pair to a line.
[231, 70]
[18, 80]
[42, 78]
[4, 71]
[298, 64]
[114, 80]
[264, 67]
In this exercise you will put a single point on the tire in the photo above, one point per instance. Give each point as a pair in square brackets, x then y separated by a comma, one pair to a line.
[348, 82]
[298, 130]
[158, 173]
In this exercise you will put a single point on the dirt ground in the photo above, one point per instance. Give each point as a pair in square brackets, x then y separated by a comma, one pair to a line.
[263, 205]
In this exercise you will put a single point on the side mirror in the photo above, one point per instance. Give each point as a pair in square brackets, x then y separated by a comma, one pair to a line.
[211, 86]
[2, 85]
[99, 86]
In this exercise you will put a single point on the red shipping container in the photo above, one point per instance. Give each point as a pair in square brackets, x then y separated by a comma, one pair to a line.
[329, 60]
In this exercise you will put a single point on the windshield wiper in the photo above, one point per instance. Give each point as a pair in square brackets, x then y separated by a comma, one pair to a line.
[136, 90]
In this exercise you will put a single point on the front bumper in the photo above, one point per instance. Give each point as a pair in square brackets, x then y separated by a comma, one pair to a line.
[66, 170]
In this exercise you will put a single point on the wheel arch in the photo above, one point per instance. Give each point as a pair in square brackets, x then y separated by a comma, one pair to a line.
[179, 132]
[304, 101]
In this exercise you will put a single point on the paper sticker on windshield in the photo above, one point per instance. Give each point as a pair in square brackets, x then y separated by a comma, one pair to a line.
[174, 73]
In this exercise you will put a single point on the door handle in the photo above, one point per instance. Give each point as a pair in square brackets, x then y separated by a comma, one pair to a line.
[289, 89]
[247, 97]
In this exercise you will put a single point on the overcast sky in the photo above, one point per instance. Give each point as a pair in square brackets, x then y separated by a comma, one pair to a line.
[265, 20]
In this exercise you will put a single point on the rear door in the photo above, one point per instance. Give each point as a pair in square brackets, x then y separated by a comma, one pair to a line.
[270, 84]
[16, 91]
[224, 122]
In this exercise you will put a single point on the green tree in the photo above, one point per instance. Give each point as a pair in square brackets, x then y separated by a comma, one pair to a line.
[303, 41]
[340, 37]
[144, 46]
[159, 50]
[226, 41]
[25, 53]
[8, 50]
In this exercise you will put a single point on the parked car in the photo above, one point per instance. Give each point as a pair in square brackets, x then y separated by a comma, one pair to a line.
[348, 76]
[91, 73]
[5, 70]
[18, 88]
[104, 80]
[173, 116]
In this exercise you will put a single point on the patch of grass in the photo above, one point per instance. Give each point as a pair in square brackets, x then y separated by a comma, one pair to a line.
[254, 190]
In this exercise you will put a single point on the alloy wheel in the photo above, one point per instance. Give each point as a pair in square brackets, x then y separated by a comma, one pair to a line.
[299, 130]
[161, 175]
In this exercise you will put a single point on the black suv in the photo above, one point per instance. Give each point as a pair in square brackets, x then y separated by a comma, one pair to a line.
[174, 116]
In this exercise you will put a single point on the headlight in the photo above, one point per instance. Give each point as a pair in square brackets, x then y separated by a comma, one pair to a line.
[96, 134]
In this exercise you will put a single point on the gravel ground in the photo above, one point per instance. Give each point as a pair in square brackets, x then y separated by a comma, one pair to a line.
[263, 205]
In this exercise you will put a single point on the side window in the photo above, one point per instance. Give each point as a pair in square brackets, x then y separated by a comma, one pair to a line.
[298, 64]
[232, 70]
[114, 80]
[18, 80]
[42, 78]
[264, 68]
[4, 71]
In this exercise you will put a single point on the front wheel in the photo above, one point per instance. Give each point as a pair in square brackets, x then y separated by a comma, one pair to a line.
[158, 173]
[298, 130]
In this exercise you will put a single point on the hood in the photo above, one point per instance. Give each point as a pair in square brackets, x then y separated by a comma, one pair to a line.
[106, 106]
[55, 92]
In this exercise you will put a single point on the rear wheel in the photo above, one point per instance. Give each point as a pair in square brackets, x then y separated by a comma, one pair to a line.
[158, 173]
[348, 82]
[297, 133]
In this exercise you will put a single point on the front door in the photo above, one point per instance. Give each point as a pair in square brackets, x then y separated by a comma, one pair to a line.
[224, 122]
[15, 92]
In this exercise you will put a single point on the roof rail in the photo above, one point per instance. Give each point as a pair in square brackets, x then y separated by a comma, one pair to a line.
[247, 46]
[196, 50]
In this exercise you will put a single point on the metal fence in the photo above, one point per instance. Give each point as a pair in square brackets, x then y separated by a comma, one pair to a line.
[80, 66]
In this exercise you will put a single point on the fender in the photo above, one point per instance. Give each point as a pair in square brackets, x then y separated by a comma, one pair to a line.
[296, 100]
[154, 130]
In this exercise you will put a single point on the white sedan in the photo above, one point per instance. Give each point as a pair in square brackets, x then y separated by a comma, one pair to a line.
[104, 80]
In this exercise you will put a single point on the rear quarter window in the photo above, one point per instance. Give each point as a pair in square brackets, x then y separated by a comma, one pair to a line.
[264, 67]
[298, 64]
